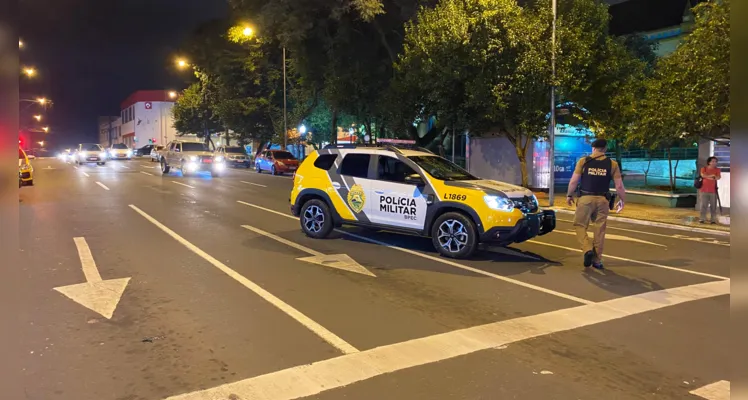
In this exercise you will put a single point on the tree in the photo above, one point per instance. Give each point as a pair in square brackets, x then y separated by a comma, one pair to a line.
[484, 66]
[696, 76]
[193, 115]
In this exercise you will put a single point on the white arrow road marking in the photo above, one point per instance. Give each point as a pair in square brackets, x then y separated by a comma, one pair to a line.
[616, 237]
[102, 185]
[310, 379]
[101, 296]
[146, 173]
[252, 183]
[339, 261]
[183, 184]
[688, 271]
[310, 324]
[715, 391]
[441, 260]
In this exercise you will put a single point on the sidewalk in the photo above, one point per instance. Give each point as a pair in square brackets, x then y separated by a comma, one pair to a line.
[642, 213]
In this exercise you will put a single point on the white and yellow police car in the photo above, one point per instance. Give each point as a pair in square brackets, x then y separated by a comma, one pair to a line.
[413, 191]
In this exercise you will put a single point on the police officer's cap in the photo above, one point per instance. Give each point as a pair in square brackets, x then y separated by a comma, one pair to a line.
[600, 144]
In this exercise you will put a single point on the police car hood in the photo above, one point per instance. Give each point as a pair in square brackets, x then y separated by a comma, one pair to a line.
[493, 187]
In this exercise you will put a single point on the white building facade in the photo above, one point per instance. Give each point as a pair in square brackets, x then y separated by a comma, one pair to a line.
[146, 118]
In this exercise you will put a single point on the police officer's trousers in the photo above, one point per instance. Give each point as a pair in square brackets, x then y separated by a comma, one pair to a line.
[592, 209]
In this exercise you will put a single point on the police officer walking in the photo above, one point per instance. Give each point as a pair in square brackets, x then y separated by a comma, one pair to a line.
[592, 176]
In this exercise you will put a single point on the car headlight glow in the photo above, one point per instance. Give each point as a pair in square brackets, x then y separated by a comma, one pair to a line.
[129, 153]
[102, 154]
[219, 159]
[498, 203]
[193, 158]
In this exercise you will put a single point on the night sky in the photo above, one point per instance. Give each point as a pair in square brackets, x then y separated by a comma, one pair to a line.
[91, 54]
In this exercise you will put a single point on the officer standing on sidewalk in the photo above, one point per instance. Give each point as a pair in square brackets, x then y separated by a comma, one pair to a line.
[593, 175]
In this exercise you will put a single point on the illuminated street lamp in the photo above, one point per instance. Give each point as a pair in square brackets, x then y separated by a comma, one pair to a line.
[20, 43]
[42, 100]
[182, 63]
[172, 94]
[45, 129]
[247, 31]
[41, 143]
[29, 71]
[38, 117]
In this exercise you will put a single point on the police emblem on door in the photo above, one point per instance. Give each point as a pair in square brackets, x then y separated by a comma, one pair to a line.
[356, 198]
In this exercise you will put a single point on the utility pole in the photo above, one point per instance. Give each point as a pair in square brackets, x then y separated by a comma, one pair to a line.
[552, 127]
[285, 124]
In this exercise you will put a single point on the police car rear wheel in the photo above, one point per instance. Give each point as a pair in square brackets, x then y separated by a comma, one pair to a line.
[316, 220]
[454, 235]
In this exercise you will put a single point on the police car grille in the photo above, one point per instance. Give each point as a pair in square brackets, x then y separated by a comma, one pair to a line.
[525, 204]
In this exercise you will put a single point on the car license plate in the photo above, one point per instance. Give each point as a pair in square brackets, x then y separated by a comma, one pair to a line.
[207, 160]
[92, 159]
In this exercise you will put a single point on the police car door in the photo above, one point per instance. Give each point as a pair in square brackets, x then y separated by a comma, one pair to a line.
[352, 181]
[396, 202]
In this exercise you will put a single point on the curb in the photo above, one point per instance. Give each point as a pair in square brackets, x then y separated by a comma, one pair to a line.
[653, 223]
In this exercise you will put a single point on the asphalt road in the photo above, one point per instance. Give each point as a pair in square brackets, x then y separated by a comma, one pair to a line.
[220, 303]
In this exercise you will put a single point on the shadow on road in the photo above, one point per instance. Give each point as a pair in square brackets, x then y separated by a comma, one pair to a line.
[619, 284]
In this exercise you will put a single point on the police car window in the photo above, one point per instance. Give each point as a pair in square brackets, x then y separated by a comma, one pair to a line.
[392, 169]
[441, 168]
[356, 165]
[325, 161]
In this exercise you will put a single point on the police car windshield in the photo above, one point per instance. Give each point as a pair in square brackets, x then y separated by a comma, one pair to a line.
[443, 169]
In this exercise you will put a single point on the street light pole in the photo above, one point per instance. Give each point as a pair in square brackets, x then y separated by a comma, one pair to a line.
[552, 127]
[285, 122]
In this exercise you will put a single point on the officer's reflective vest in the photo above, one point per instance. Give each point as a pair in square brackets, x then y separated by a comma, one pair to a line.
[596, 175]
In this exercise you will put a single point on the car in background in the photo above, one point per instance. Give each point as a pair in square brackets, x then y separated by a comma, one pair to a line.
[90, 153]
[66, 155]
[190, 157]
[156, 153]
[119, 151]
[25, 169]
[235, 156]
[276, 161]
[143, 151]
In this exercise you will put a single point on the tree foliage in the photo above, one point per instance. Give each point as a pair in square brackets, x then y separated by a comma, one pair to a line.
[688, 97]
[192, 113]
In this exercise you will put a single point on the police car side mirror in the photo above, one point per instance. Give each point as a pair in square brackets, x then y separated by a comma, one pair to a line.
[414, 179]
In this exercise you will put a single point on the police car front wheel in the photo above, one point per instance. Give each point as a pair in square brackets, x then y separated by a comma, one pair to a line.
[454, 235]
[316, 219]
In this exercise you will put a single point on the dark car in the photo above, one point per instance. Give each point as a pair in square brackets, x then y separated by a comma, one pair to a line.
[144, 151]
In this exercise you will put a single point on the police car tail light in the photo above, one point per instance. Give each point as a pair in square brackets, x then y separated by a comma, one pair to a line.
[499, 203]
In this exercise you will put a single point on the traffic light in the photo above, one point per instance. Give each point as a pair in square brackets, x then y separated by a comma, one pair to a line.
[150, 141]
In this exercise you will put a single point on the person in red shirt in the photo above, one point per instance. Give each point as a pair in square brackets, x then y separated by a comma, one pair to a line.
[708, 191]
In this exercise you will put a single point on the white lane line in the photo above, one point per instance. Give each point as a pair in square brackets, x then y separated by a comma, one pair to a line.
[310, 324]
[147, 166]
[675, 236]
[615, 237]
[252, 183]
[183, 184]
[444, 261]
[86, 175]
[102, 185]
[714, 391]
[284, 241]
[74, 166]
[124, 166]
[146, 173]
[311, 379]
[688, 271]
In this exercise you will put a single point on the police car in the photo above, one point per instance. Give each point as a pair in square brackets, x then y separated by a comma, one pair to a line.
[413, 191]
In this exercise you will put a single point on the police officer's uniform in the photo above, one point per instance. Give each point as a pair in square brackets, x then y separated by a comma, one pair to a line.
[593, 204]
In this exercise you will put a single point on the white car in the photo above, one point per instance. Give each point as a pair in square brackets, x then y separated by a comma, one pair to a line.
[119, 151]
[90, 153]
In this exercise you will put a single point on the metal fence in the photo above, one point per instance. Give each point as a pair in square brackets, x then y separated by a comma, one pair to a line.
[682, 153]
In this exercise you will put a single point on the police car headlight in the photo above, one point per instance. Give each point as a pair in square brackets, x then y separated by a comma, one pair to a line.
[499, 203]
